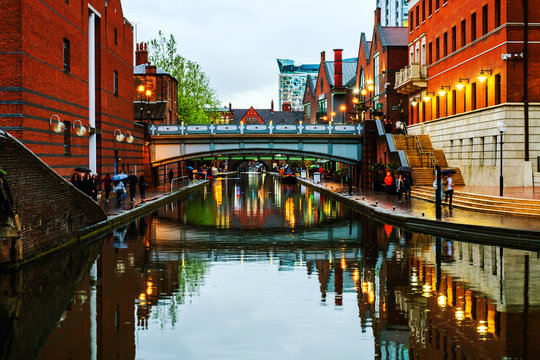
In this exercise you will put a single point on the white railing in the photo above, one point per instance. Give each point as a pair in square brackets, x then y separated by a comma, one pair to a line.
[413, 72]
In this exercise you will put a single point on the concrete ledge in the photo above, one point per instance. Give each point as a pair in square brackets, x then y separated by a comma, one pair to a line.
[515, 238]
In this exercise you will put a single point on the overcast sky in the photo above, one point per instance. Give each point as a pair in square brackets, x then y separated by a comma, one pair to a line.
[237, 42]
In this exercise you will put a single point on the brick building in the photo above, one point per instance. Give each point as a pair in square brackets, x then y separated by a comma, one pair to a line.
[254, 116]
[329, 96]
[67, 83]
[472, 64]
[156, 92]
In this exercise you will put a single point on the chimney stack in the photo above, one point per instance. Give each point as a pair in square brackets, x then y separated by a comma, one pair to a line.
[150, 69]
[272, 106]
[323, 56]
[230, 107]
[338, 68]
[377, 16]
[141, 55]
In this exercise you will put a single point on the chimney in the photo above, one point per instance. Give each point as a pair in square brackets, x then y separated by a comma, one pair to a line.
[141, 55]
[377, 16]
[323, 56]
[272, 107]
[150, 69]
[338, 68]
[230, 107]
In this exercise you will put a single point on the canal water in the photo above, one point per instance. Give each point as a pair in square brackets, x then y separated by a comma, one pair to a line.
[250, 268]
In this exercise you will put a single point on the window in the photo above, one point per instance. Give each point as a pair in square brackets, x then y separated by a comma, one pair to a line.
[430, 53]
[497, 13]
[437, 5]
[437, 54]
[473, 96]
[497, 89]
[418, 16]
[482, 151]
[67, 138]
[411, 22]
[454, 39]
[423, 10]
[463, 32]
[484, 20]
[115, 82]
[473, 27]
[454, 102]
[376, 73]
[423, 111]
[437, 107]
[115, 36]
[67, 66]
[445, 44]
[430, 7]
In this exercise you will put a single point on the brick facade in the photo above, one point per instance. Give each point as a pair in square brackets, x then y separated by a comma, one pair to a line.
[39, 81]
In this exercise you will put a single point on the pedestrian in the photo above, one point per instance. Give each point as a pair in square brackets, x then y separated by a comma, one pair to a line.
[171, 175]
[400, 187]
[449, 190]
[95, 183]
[87, 184]
[142, 187]
[120, 191]
[408, 182]
[132, 182]
[107, 184]
[388, 182]
[76, 181]
[321, 172]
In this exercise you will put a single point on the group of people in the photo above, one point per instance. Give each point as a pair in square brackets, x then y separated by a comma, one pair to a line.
[402, 185]
[91, 186]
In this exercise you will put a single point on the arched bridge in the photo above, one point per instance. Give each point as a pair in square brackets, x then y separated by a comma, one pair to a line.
[335, 142]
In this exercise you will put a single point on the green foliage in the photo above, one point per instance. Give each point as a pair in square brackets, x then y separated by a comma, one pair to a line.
[194, 91]
[392, 166]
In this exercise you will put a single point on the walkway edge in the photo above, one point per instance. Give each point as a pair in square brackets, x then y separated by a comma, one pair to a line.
[476, 233]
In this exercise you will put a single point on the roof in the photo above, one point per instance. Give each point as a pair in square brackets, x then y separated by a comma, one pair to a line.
[141, 70]
[312, 80]
[348, 68]
[277, 117]
[393, 35]
[291, 66]
[366, 45]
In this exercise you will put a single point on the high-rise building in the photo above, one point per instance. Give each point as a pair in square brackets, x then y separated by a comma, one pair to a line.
[292, 82]
[393, 12]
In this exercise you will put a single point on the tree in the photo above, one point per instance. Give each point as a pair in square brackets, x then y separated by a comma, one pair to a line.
[195, 94]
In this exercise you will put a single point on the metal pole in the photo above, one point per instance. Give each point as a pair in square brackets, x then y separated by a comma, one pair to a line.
[350, 180]
[147, 110]
[438, 197]
[141, 107]
[501, 177]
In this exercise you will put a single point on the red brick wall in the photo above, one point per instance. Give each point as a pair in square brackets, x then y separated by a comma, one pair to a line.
[35, 79]
[51, 210]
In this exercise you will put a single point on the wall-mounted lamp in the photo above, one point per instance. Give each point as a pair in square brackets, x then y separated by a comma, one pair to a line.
[118, 135]
[80, 130]
[414, 102]
[129, 138]
[427, 96]
[57, 125]
[482, 77]
[442, 90]
[461, 84]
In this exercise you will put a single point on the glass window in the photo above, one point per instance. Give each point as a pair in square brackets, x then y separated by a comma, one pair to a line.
[115, 82]
[66, 55]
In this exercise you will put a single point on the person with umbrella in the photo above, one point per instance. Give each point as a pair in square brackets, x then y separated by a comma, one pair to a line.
[119, 187]
[132, 182]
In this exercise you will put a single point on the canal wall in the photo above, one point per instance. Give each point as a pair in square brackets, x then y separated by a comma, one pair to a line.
[48, 210]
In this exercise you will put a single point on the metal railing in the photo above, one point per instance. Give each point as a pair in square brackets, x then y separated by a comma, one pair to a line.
[179, 182]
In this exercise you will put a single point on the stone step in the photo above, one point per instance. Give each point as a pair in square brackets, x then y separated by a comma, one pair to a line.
[486, 198]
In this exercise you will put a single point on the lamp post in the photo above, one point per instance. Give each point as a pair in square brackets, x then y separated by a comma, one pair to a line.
[343, 108]
[502, 127]
[141, 89]
[148, 93]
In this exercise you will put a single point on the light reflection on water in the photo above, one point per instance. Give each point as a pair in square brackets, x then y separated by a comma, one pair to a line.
[249, 269]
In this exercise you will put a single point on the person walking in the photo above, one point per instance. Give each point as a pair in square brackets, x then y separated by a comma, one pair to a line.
[95, 182]
[142, 187]
[449, 191]
[388, 182]
[400, 187]
[321, 172]
[87, 184]
[171, 175]
[120, 191]
[407, 183]
[132, 182]
[76, 181]
[107, 185]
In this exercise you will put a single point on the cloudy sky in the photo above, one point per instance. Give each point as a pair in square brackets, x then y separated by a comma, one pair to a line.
[237, 42]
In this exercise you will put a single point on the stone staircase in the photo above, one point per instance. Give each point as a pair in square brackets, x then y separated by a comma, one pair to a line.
[484, 203]
[536, 179]
[422, 159]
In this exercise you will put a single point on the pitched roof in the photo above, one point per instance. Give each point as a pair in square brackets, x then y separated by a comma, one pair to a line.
[141, 70]
[393, 35]
[312, 81]
[277, 117]
[348, 69]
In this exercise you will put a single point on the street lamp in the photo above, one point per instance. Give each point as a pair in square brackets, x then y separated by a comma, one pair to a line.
[332, 114]
[343, 108]
[148, 93]
[502, 128]
[141, 89]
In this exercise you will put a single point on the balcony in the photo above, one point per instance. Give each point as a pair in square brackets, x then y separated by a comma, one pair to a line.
[411, 79]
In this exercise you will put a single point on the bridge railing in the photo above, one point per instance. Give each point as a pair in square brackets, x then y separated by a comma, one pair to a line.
[299, 129]
[179, 182]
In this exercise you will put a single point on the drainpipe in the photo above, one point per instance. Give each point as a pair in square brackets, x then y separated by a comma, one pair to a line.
[525, 75]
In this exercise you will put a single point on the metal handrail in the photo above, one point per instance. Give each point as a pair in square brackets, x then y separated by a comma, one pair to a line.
[179, 182]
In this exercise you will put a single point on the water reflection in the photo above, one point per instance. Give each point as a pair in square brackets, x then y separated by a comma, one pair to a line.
[174, 284]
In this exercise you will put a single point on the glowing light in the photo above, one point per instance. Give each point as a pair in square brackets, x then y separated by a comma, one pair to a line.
[460, 315]
[441, 300]
[460, 86]
[482, 328]
[355, 101]
[371, 297]
[482, 77]
[148, 92]
[342, 108]
[343, 263]
[426, 290]
[140, 88]
[356, 275]
[363, 92]
[370, 87]
[142, 297]
[414, 102]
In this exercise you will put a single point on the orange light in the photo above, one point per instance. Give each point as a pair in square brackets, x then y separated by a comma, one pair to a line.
[333, 113]
[343, 263]
[148, 93]
[342, 108]
[370, 87]
[140, 88]
[363, 92]
[355, 101]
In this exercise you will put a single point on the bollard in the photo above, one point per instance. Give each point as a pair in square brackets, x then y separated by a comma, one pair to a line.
[394, 207]
[422, 213]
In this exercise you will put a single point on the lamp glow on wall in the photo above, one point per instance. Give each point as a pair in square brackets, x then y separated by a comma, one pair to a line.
[442, 90]
[57, 125]
[80, 130]
[118, 135]
[414, 102]
[427, 96]
[370, 85]
[129, 138]
[461, 83]
[482, 77]
[364, 92]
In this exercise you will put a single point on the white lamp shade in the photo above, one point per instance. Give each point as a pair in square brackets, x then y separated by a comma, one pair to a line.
[59, 127]
[119, 137]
